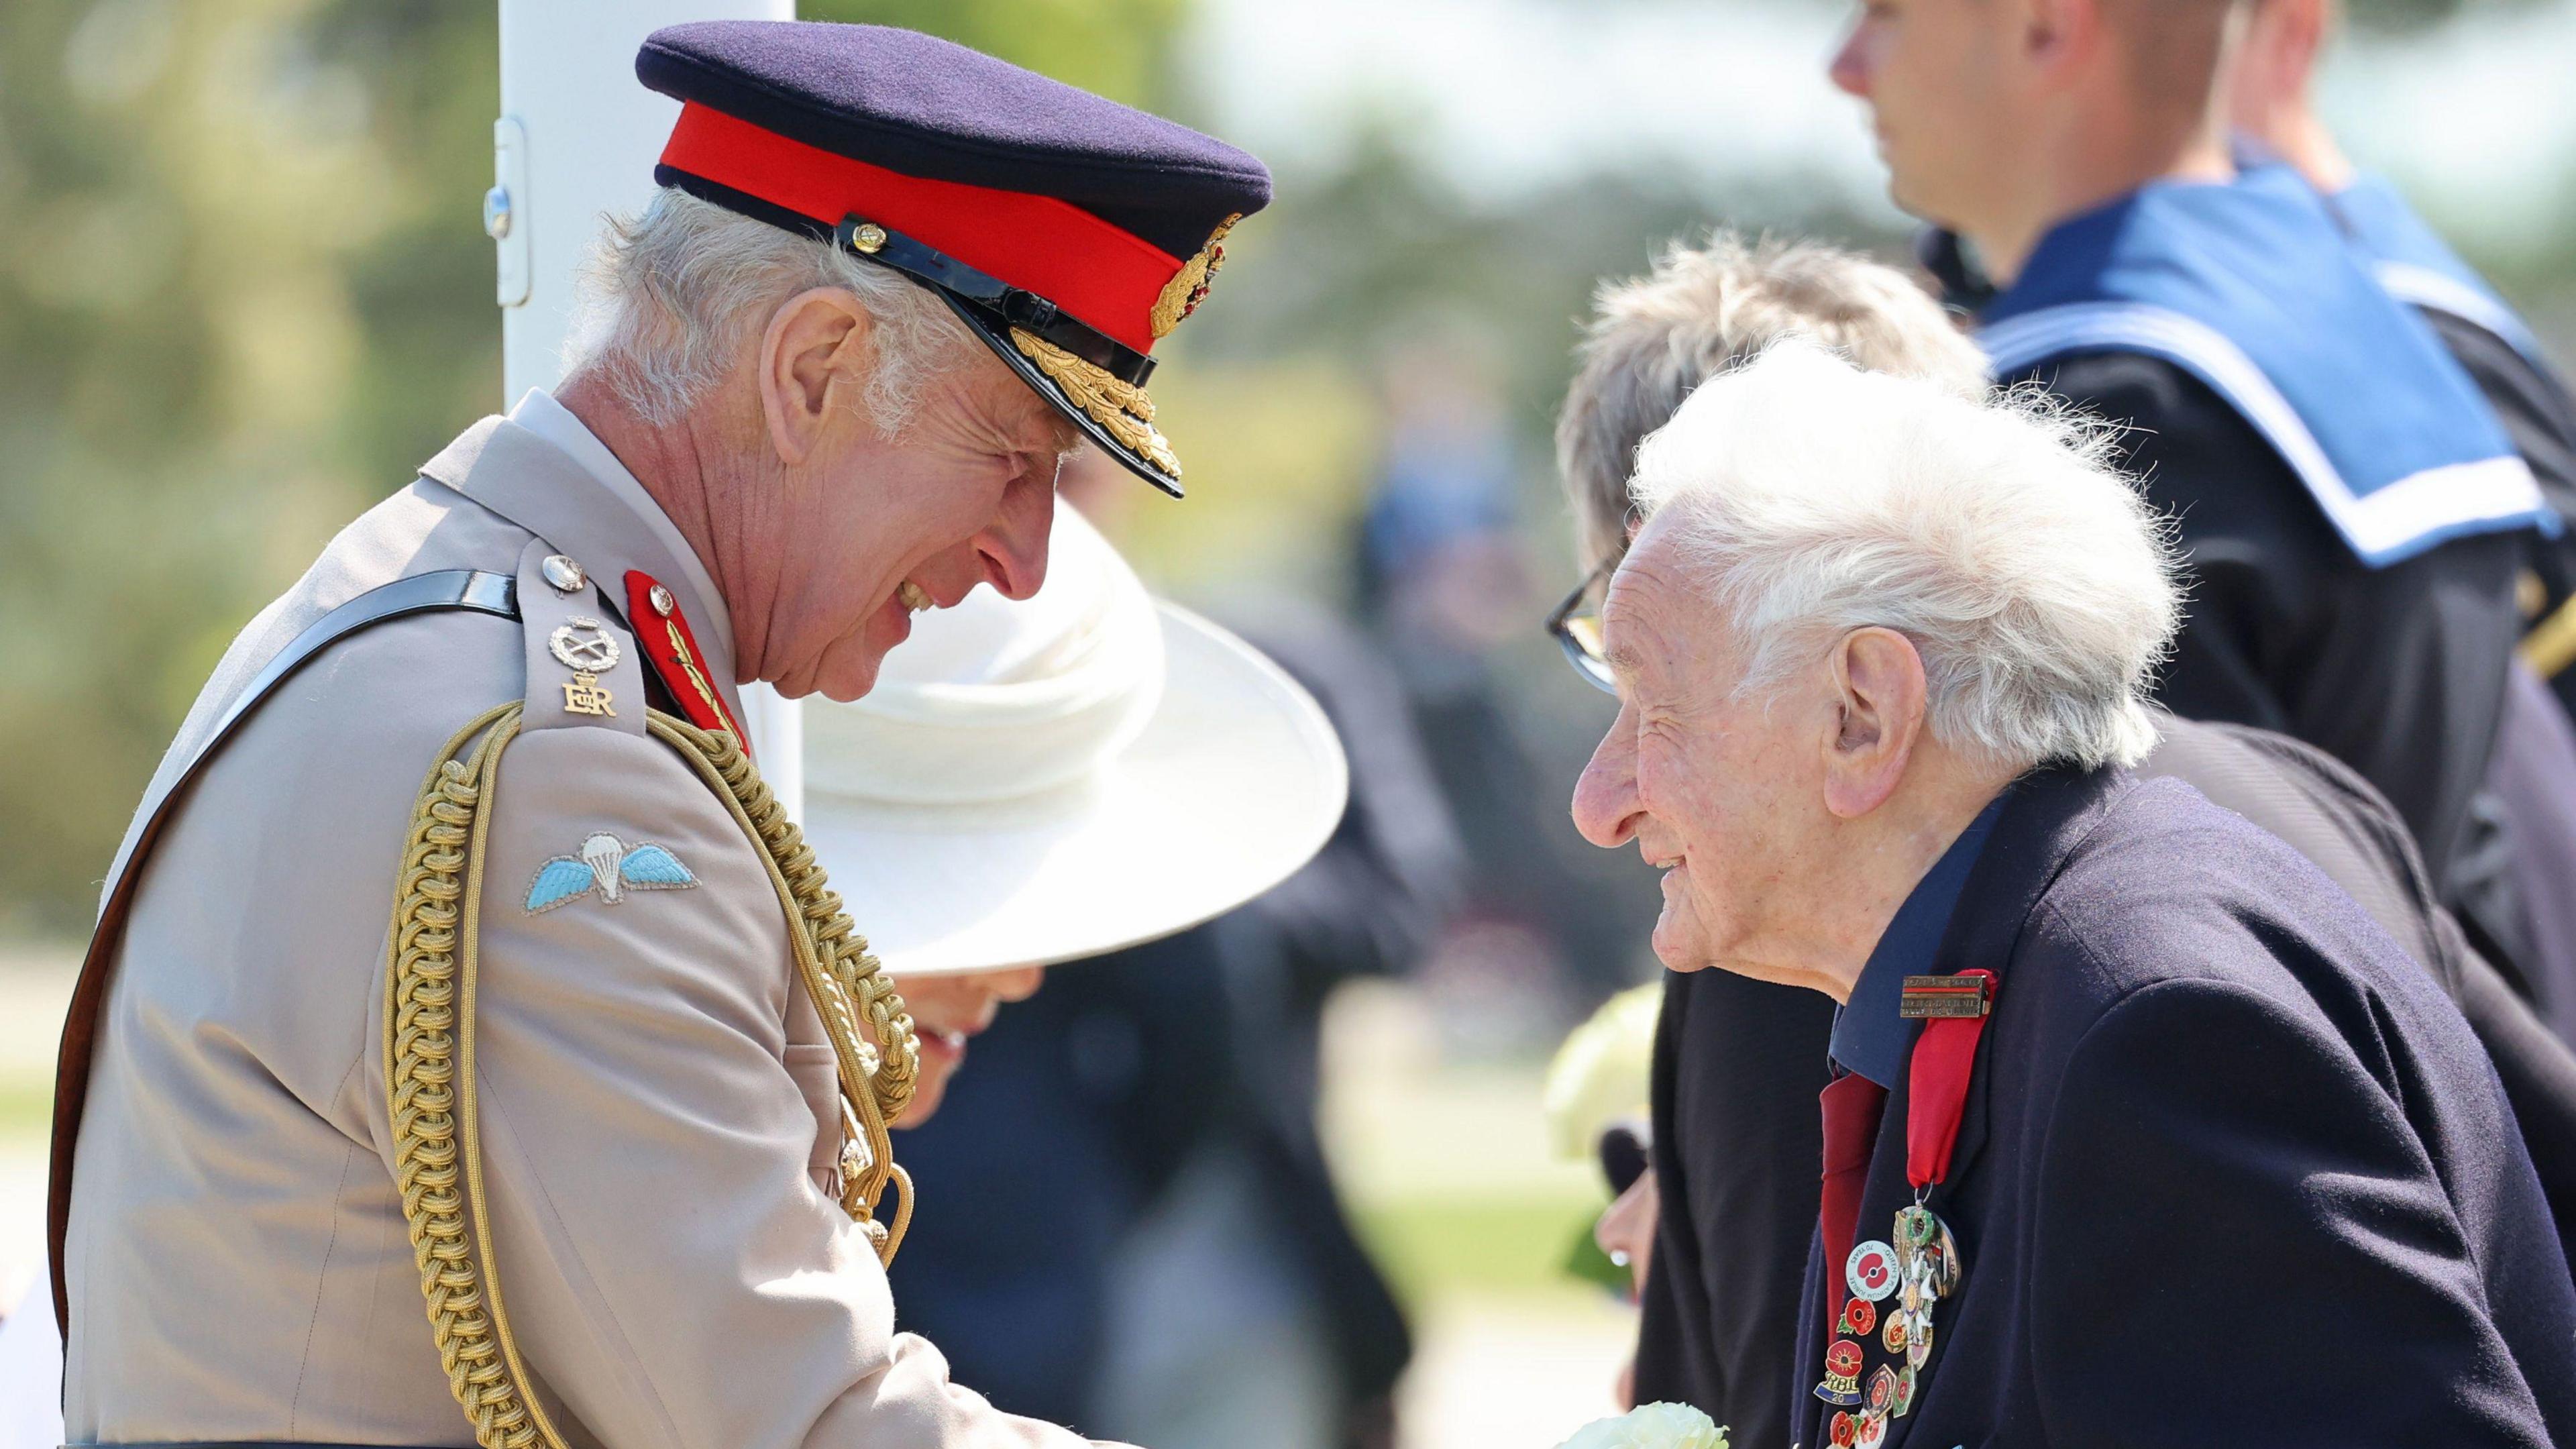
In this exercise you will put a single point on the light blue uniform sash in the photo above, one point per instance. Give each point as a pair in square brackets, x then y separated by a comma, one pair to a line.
[2252, 288]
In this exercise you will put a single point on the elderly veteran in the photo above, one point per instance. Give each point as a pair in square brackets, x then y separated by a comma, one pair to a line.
[465, 1017]
[1731, 1197]
[2130, 1102]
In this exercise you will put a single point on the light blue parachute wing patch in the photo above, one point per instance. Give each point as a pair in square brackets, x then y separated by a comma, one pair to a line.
[559, 881]
[650, 867]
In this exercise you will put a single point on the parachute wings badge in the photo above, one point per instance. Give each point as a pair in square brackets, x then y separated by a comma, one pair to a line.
[606, 865]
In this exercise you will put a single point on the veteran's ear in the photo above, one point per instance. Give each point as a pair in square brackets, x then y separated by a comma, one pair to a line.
[1879, 713]
[811, 362]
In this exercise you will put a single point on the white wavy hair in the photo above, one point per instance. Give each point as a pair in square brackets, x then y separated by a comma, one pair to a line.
[1805, 498]
[674, 296]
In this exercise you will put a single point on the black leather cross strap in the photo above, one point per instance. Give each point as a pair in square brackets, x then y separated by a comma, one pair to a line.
[470, 589]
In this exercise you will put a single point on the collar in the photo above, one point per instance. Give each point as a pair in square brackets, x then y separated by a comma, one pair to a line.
[542, 486]
[1944, 255]
[541, 414]
[2249, 286]
[2418, 267]
[1869, 1037]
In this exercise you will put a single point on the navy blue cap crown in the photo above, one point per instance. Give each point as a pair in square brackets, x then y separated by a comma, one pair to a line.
[1071, 232]
[930, 107]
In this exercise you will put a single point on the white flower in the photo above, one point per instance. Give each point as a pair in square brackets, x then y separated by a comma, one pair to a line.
[1651, 1426]
[1599, 1075]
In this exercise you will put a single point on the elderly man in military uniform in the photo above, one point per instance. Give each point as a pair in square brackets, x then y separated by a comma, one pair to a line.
[470, 1046]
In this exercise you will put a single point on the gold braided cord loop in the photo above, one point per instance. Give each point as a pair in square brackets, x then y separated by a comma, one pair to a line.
[429, 1090]
[429, 1049]
[1121, 408]
[850, 988]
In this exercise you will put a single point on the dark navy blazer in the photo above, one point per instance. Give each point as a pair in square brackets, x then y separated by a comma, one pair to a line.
[2232, 1169]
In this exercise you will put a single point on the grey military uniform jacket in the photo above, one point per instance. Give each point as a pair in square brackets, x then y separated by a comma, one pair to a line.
[659, 1120]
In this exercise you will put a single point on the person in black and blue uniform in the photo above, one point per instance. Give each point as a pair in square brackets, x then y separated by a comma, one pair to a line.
[2535, 758]
[2353, 516]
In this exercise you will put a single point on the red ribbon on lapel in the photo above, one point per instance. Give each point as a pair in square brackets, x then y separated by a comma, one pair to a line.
[672, 648]
[1944, 1057]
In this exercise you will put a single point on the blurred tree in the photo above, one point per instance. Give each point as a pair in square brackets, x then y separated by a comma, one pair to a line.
[234, 240]
[243, 292]
[1119, 48]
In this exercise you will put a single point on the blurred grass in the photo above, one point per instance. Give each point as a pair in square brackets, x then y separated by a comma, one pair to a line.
[1445, 1164]
[1437, 1247]
[26, 1109]
[35, 982]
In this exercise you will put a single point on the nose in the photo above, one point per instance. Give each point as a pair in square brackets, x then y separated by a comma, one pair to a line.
[1848, 69]
[1013, 549]
[1019, 983]
[1606, 809]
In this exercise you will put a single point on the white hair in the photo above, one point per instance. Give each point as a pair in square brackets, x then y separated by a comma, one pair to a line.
[673, 297]
[1805, 498]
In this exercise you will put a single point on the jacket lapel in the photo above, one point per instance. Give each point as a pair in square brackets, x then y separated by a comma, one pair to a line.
[2048, 814]
[2045, 818]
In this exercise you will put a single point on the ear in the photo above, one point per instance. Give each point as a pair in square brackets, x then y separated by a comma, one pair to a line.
[2304, 27]
[2059, 34]
[1879, 719]
[810, 362]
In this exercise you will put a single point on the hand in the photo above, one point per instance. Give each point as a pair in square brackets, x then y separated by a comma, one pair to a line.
[1626, 1229]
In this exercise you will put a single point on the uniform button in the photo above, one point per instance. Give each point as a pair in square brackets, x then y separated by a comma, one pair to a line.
[663, 603]
[563, 573]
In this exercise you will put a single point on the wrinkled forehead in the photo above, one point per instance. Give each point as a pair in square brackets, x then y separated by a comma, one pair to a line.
[1644, 610]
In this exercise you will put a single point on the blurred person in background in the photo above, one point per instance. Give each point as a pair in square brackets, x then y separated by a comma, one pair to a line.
[2271, 104]
[1737, 1062]
[800, 422]
[2353, 516]
[1440, 577]
[1199, 1283]
[2153, 1028]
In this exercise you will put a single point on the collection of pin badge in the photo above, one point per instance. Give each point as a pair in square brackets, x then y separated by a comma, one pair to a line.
[1918, 1270]
[582, 645]
[1922, 1266]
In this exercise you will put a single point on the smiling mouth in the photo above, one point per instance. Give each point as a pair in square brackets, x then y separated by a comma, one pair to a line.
[915, 598]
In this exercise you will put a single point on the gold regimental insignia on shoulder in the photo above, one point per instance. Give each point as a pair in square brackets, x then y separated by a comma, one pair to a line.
[429, 1048]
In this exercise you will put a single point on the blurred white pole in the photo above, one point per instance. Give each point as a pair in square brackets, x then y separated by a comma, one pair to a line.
[576, 140]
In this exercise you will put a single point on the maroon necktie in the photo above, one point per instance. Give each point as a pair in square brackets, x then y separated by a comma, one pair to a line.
[1852, 1106]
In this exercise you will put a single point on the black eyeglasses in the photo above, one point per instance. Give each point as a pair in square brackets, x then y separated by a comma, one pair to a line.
[1576, 623]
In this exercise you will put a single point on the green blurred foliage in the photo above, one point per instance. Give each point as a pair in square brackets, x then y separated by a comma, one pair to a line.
[230, 260]
[1119, 48]
[243, 293]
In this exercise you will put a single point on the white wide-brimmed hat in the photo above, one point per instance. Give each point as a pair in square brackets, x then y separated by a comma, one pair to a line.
[1040, 781]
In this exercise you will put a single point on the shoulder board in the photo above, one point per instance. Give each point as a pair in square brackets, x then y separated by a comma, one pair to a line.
[584, 670]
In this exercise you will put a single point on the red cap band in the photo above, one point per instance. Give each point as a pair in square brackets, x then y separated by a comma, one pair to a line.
[1103, 275]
